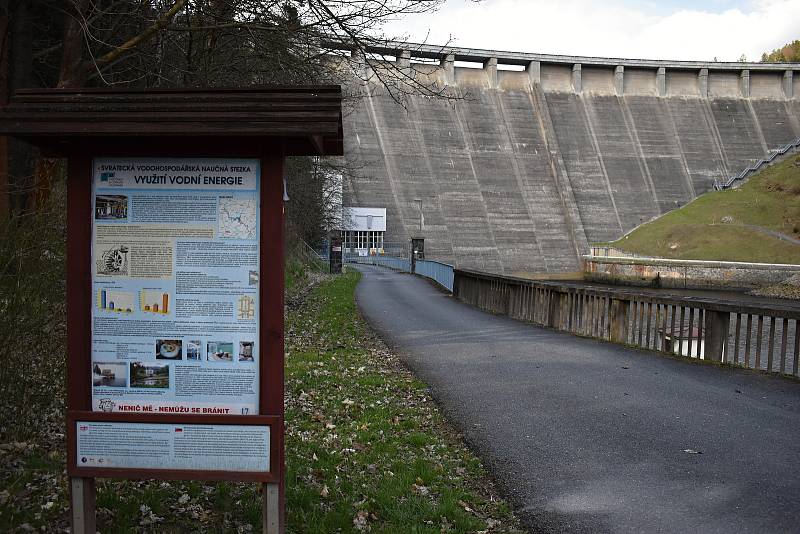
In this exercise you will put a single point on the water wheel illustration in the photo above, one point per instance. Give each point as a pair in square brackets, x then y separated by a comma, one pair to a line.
[115, 260]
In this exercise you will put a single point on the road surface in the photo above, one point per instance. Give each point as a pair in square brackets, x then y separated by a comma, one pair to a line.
[587, 436]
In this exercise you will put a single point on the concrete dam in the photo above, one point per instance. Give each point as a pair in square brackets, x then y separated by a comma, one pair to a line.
[543, 155]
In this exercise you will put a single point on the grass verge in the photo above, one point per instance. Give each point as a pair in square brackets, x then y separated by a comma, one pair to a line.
[366, 450]
[719, 225]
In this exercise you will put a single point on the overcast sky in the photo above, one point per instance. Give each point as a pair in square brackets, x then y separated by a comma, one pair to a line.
[667, 29]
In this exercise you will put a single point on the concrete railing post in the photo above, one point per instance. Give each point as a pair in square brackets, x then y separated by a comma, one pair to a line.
[448, 67]
[716, 334]
[744, 83]
[702, 82]
[577, 83]
[661, 81]
[618, 316]
[490, 67]
[788, 84]
[404, 61]
[564, 306]
[619, 80]
[534, 70]
[555, 310]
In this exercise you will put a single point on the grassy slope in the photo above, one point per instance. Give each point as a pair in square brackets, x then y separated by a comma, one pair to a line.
[366, 446]
[770, 199]
[366, 449]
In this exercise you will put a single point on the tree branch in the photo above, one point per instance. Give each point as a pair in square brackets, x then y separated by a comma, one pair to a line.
[136, 41]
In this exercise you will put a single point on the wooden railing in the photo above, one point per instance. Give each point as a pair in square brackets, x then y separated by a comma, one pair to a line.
[739, 333]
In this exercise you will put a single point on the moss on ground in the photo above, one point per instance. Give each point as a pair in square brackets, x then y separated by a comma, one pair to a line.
[719, 225]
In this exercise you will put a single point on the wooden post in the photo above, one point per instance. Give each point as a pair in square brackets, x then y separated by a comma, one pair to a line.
[270, 508]
[618, 318]
[82, 497]
[716, 334]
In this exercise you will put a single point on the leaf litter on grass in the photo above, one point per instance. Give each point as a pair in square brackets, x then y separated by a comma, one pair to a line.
[366, 450]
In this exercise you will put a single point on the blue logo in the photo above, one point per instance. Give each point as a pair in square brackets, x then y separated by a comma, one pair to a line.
[104, 176]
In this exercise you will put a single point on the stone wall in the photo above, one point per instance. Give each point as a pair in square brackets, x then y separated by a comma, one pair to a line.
[688, 274]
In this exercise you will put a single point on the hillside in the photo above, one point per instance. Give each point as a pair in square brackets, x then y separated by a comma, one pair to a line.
[735, 225]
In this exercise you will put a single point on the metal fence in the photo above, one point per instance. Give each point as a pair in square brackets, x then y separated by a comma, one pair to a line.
[756, 337]
[719, 185]
[392, 262]
[441, 273]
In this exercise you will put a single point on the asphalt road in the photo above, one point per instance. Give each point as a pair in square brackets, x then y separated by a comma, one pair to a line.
[587, 436]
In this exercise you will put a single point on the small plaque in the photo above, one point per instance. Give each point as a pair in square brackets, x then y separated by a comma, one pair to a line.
[238, 448]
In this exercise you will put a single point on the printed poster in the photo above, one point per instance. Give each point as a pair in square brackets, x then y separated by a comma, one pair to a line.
[175, 268]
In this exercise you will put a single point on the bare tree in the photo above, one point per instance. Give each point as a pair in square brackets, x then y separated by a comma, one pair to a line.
[208, 43]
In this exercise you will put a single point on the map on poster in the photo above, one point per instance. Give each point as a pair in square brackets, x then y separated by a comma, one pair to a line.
[175, 263]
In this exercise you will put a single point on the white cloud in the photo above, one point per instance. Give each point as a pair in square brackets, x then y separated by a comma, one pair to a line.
[614, 28]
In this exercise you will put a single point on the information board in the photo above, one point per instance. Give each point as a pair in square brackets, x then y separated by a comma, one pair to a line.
[175, 274]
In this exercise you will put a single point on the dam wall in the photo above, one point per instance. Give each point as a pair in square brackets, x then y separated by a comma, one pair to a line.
[538, 156]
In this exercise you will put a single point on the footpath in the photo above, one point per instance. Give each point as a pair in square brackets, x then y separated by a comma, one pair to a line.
[587, 436]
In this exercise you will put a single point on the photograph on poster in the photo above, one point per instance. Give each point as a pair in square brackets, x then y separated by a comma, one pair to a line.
[111, 207]
[220, 351]
[169, 349]
[149, 375]
[110, 374]
[193, 350]
[245, 351]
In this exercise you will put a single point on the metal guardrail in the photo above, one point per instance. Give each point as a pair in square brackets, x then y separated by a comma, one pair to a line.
[611, 252]
[719, 186]
[756, 337]
[441, 273]
[392, 262]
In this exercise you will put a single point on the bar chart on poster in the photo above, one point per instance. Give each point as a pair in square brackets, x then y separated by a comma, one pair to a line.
[115, 301]
[154, 301]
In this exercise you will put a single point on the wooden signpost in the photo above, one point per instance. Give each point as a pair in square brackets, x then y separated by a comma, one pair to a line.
[175, 276]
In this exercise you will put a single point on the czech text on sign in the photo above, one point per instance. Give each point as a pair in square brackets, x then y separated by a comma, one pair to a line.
[175, 273]
[242, 448]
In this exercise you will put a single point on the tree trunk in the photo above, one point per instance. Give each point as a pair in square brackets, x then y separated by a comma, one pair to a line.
[73, 74]
[5, 39]
[17, 157]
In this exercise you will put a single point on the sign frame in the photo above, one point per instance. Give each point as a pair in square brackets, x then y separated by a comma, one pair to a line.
[266, 123]
[271, 476]
[271, 330]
